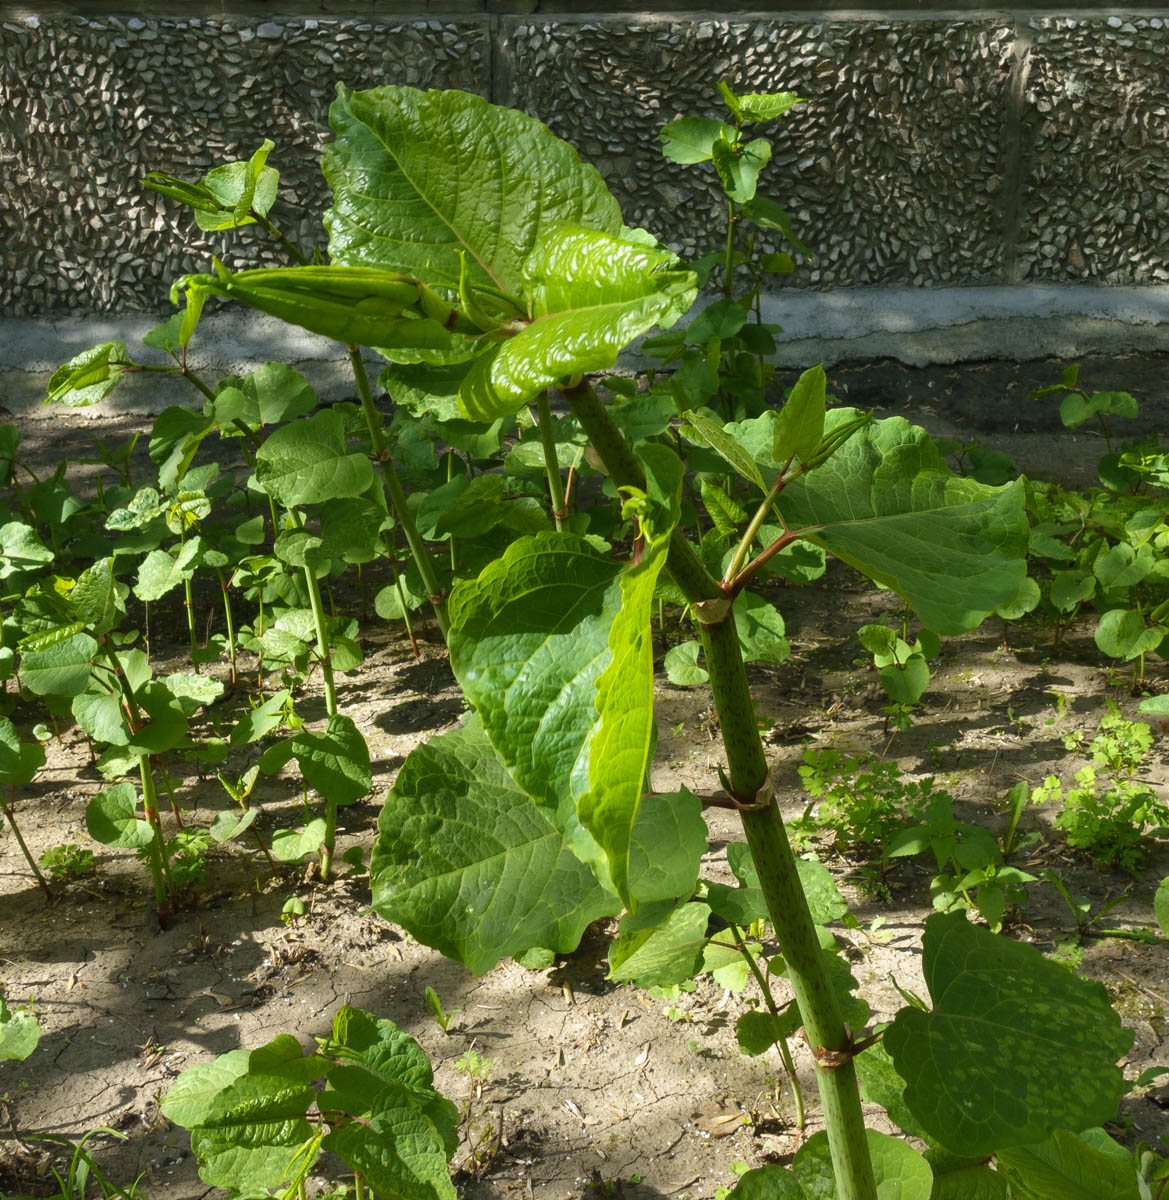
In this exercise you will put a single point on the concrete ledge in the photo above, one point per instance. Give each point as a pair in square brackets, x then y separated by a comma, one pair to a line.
[915, 326]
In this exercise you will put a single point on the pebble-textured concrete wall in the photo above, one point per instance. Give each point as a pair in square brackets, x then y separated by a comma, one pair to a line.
[981, 148]
[89, 106]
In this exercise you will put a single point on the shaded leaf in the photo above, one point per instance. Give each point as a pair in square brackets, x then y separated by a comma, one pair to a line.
[469, 864]
[1014, 1048]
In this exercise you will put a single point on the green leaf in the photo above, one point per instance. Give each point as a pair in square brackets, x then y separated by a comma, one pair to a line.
[710, 430]
[1015, 1047]
[666, 846]
[87, 378]
[403, 1131]
[307, 462]
[161, 572]
[19, 1033]
[738, 167]
[260, 721]
[112, 818]
[905, 683]
[691, 139]
[350, 304]
[61, 669]
[246, 1113]
[722, 319]
[528, 640]
[591, 293]
[800, 427]
[766, 106]
[229, 824]
[681, 664]
[758, 1031]
[335, 763]
[239, 187]
[886, 504]
[1023, 601]
[1161, 905]
[767, 214]
[660, 946]
[761, 630]
[1068, 1167]
[1122, 633]
[469, 864]
[396, 1148]
[770, 1183]
[1069, 588]
[20, 761]
[21, 549]
[95, 597]
[619, 751]
[423, 179]
[972, 1182]
[192, 691]
[267, 396]
[100, 714]
[880, 1084]
[899, 1171]
[164, 722]
[294, 845]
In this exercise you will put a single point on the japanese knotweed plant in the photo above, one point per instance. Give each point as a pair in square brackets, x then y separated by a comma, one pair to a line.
[469, 243]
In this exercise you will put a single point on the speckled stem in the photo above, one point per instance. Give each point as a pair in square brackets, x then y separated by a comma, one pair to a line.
[748, 774]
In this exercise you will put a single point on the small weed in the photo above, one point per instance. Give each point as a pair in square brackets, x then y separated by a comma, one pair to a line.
[68, 861]
[443, 1017]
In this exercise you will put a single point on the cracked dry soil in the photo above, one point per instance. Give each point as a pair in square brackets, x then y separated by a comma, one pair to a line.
[593, 1085]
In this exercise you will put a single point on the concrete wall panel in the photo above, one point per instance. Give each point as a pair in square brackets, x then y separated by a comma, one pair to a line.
[89, 105]
[1095, 191]
[893, 171]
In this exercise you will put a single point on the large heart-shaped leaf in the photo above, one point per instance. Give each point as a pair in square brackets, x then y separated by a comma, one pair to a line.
[112, 818]
[61, 668]
[246, 1113]
[590, 294]
[423, 181]
[307, 462]
[528, 640]
[1014, 1048]
[335, 763]
[469, 864]
[899, 1172]
[1069, 1166]
[886, 504]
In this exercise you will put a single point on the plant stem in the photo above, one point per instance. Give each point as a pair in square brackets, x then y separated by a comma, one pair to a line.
[158, 867]
[398, 505]
[744, 547]
[729, 257]
[766, 837]
[290, 248]
[230, 623]
[189, 605]
[781, 1044]
[551, 459]
[10, 813]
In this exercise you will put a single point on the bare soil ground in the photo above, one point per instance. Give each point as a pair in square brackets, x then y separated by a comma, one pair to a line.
[593, 1084]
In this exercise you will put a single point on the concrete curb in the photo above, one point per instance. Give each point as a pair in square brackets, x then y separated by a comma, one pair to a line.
[914, 326]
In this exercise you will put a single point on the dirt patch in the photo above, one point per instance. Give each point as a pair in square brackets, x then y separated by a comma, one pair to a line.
[591, 1082]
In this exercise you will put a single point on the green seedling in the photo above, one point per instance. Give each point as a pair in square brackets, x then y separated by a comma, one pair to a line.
[443, 1017]
[257, 1123]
